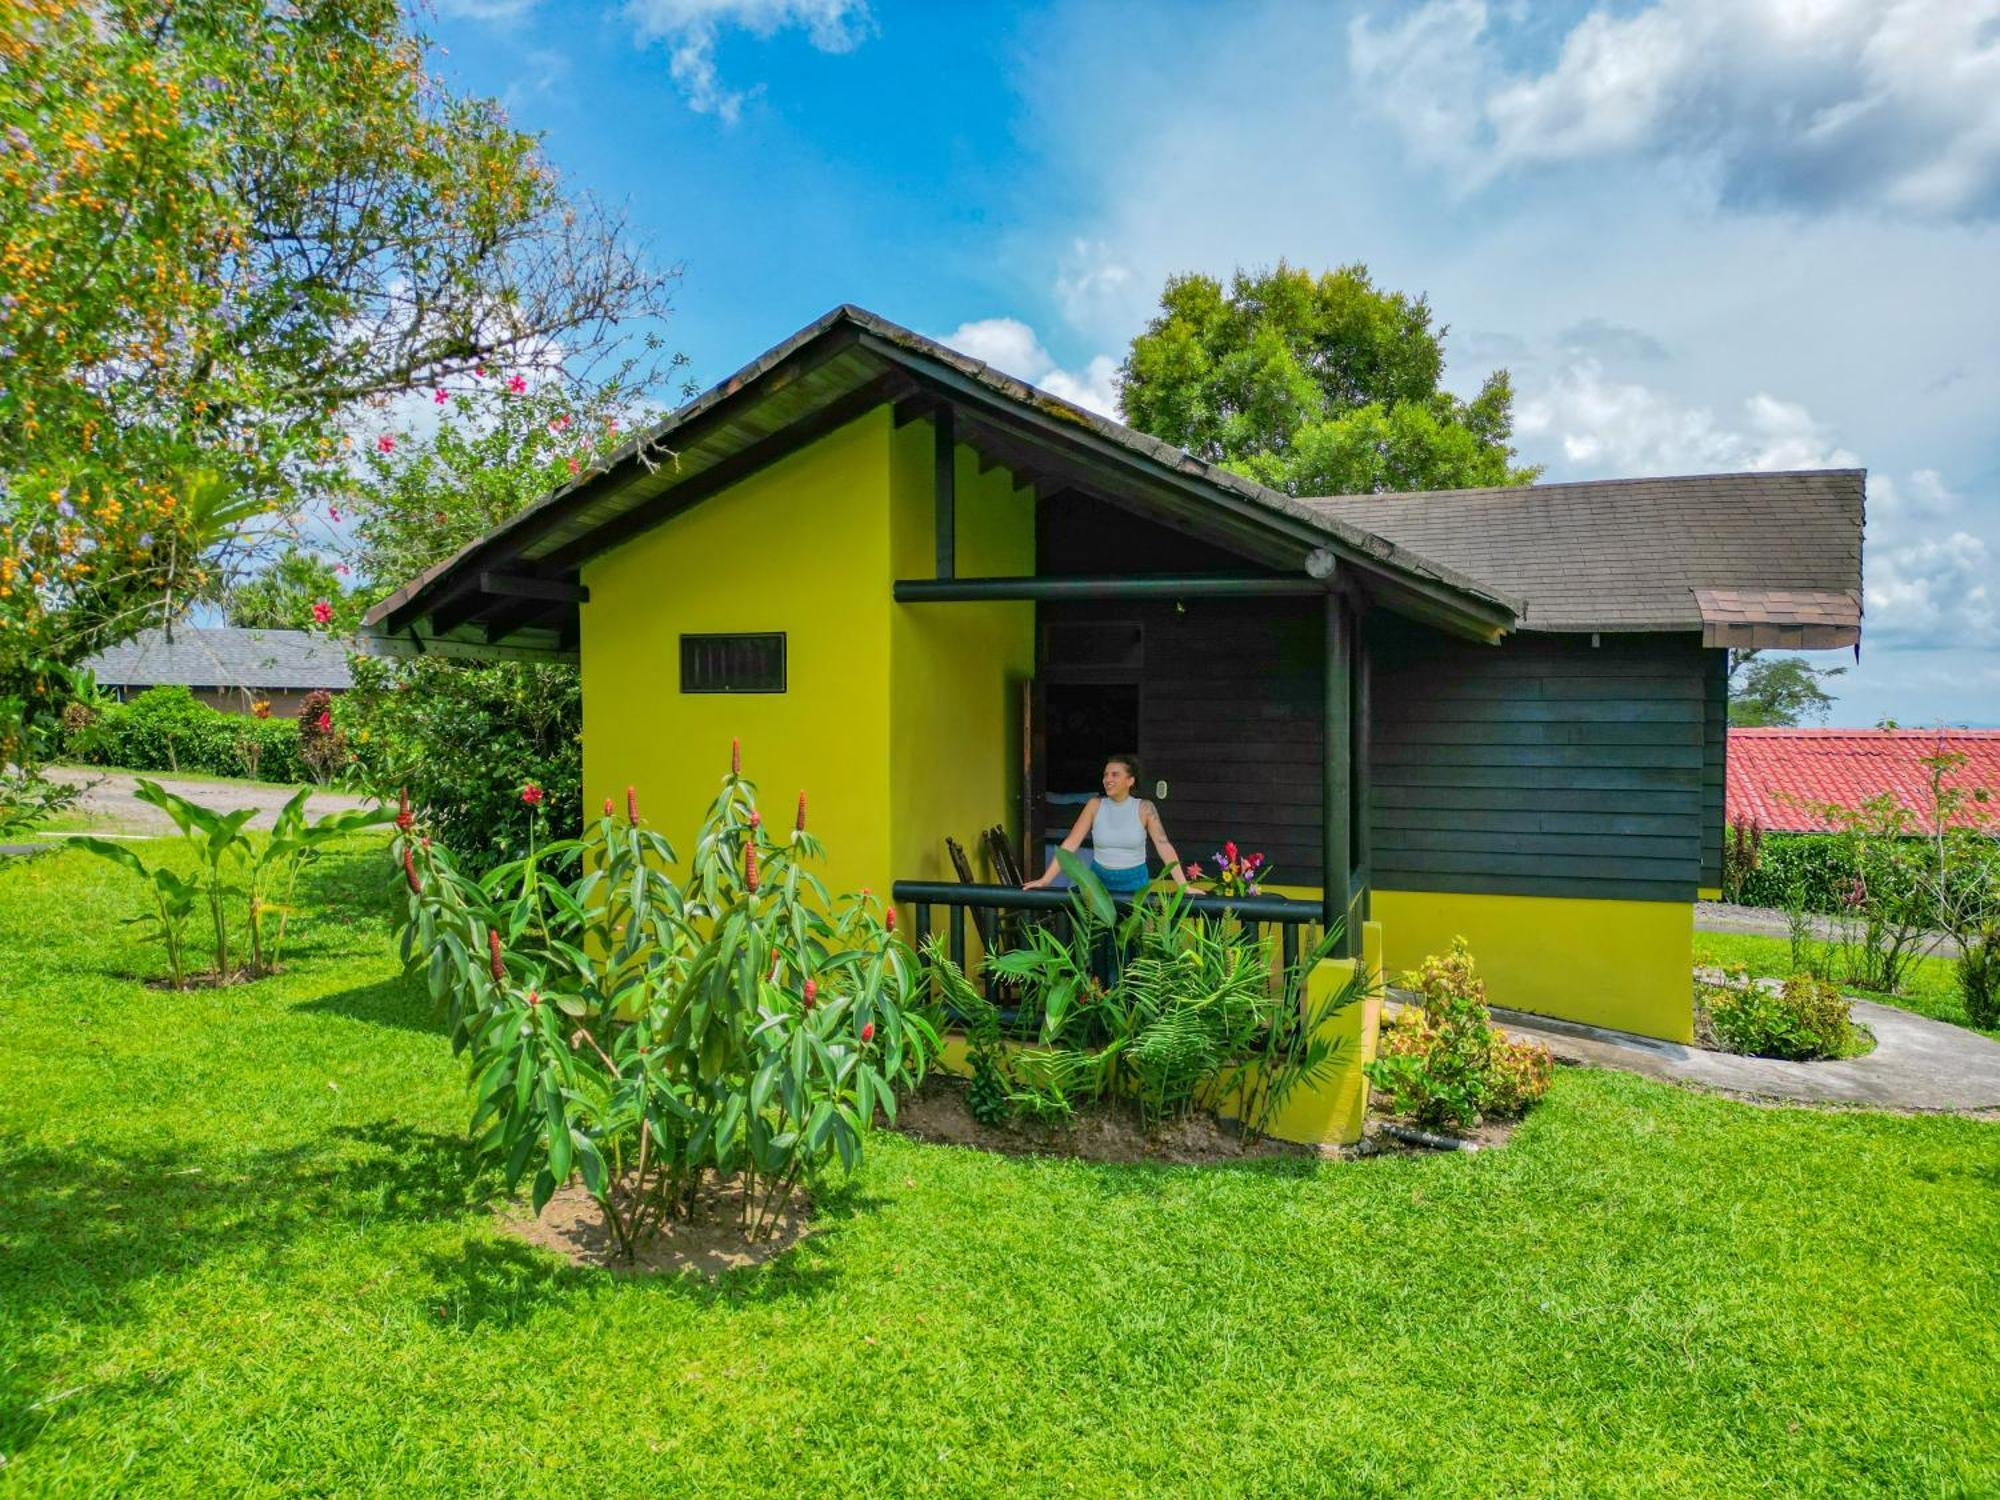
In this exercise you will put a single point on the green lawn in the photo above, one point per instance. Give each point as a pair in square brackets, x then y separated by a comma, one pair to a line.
[1932, 988]
[241, 1251]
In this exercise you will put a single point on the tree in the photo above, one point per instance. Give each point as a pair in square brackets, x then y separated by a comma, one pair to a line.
[1314, 385]
[1778, 691]
[224, 226]
[299, 591]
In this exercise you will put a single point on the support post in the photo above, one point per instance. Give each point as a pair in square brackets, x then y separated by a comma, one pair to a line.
[1336, 856]
[1364, 785]
[945, 493]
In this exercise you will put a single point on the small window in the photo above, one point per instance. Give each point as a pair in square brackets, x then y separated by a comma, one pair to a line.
[733, 663]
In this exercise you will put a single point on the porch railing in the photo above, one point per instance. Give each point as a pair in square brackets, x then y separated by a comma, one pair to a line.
[984, 908]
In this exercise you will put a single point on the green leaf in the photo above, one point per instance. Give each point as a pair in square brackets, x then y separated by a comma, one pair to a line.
[1088, 886]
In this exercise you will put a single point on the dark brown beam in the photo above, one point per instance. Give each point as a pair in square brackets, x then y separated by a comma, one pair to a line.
[914, 409]
[521, 615]
[1129, 586]
[944, 492]
[1336, 858]
[522, 586]
[454, 609]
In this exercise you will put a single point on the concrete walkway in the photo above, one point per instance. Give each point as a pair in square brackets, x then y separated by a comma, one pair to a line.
[114, 812]
[1918, 1064]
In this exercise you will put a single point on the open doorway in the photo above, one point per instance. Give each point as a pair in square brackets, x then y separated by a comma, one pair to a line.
[1080, 723]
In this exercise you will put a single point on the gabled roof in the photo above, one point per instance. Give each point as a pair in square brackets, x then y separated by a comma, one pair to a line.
[1775, 775]
[225, 657]
[514, 591]
[1766, 559]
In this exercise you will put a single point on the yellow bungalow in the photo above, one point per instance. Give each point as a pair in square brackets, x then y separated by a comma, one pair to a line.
[936, 597]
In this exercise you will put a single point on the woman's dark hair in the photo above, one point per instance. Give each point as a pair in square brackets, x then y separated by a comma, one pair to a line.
[1129, 762]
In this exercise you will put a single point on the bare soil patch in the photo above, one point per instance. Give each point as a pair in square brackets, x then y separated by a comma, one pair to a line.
[572, 1225]
[1111, 1133]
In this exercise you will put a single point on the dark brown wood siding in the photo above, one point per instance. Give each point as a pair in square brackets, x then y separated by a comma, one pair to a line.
[1541, 766]
[1714, 766]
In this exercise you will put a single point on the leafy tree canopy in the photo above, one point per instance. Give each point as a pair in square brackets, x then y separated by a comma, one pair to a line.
[1314, 385]
[300, 590]
[1770, 692]
[224, 226]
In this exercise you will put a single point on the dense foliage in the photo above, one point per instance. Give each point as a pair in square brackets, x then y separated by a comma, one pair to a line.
[463, 739]
[1314, 385]
[1159, 1006]
[168, 729]
[225, 226]
[645, 1032]
[300, 590]
[1441, 1061]
[1801, 1019]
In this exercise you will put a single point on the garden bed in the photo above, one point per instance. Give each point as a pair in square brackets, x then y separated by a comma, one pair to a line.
[572, 1225]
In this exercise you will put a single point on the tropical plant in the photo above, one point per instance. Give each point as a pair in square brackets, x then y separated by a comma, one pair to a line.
[646, 1033]
[173, 897]
[217, 842]
[1804, 1018]
[1442, 1062]
[1194, 1009]
[322, 743]
[1742, 849]
[1979, 975]
[274, 867]
[1232, 872]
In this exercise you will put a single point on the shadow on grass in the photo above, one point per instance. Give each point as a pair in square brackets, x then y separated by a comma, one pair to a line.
[402, 1003]
[85, 1230]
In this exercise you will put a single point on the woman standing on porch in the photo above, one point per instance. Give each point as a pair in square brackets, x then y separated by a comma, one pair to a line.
[1117, 825]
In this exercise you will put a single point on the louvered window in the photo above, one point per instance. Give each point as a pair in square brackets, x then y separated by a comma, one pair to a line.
[733, 663]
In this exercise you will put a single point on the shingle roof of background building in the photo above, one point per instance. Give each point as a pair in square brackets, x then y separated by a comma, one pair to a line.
[222, 656]
[1630, 554]
[1774, 774]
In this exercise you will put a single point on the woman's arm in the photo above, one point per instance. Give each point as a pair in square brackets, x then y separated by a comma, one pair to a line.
[1077, 834]
[1150, 816]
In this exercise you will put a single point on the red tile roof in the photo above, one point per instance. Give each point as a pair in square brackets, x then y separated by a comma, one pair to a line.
[1775, 773]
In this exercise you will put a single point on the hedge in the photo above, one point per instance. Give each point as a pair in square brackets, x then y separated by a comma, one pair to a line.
[1820, 865]
[169, 729]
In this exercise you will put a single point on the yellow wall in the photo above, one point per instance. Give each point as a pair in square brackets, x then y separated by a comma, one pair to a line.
[802, 547]
[957, 669]
[901, 722]
[1623, 964]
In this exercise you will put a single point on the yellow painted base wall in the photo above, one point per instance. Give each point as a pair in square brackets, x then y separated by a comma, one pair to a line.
[1623, 964]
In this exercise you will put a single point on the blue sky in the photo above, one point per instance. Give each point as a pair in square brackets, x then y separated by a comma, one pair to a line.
[1702, 234]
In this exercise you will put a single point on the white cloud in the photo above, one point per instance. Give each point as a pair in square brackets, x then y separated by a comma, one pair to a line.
[1893, 104]
[1624, 428]
[1092, 282]
[1009, 345]
[1935, 591]
[491, 11]
[690, 28]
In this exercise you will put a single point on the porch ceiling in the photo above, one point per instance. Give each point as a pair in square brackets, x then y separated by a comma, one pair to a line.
[514, 593]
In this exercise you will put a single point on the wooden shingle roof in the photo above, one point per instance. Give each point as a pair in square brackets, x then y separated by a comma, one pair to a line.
[1776, 556]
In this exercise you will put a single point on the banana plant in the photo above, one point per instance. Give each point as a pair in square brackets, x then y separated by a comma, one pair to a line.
[173, 899]
[217, 840]
[274, 870]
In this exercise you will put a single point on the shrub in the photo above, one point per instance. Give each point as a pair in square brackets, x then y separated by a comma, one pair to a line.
[1742, 850]
[643, 1032]
[322, 743]
[463, 739]
[1441, 1062]
[1979, 976]
[169, 729]
[1806, 1018]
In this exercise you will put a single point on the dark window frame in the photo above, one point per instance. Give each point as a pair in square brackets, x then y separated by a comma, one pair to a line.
[697, 678]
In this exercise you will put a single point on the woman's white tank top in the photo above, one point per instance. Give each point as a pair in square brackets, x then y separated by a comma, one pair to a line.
[1117, 838]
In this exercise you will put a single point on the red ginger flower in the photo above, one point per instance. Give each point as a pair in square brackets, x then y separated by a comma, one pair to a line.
[324, 723]
[756, 819]
[532, 795]
[410, 871]
[868, 1033]
[534, 999]
[404, 818]
[493, 953]
[736, 757]
[801, 824]
[811, 993]
[631, 805]
[889, 918]
[607, 807]
[750, 868]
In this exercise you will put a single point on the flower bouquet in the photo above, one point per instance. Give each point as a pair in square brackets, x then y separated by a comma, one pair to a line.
[1235, 873]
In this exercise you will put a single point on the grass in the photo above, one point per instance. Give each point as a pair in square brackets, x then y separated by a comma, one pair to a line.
[1931, 989]
[242, 1250]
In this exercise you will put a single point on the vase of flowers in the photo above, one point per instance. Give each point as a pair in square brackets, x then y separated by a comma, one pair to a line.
[1234, 873]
